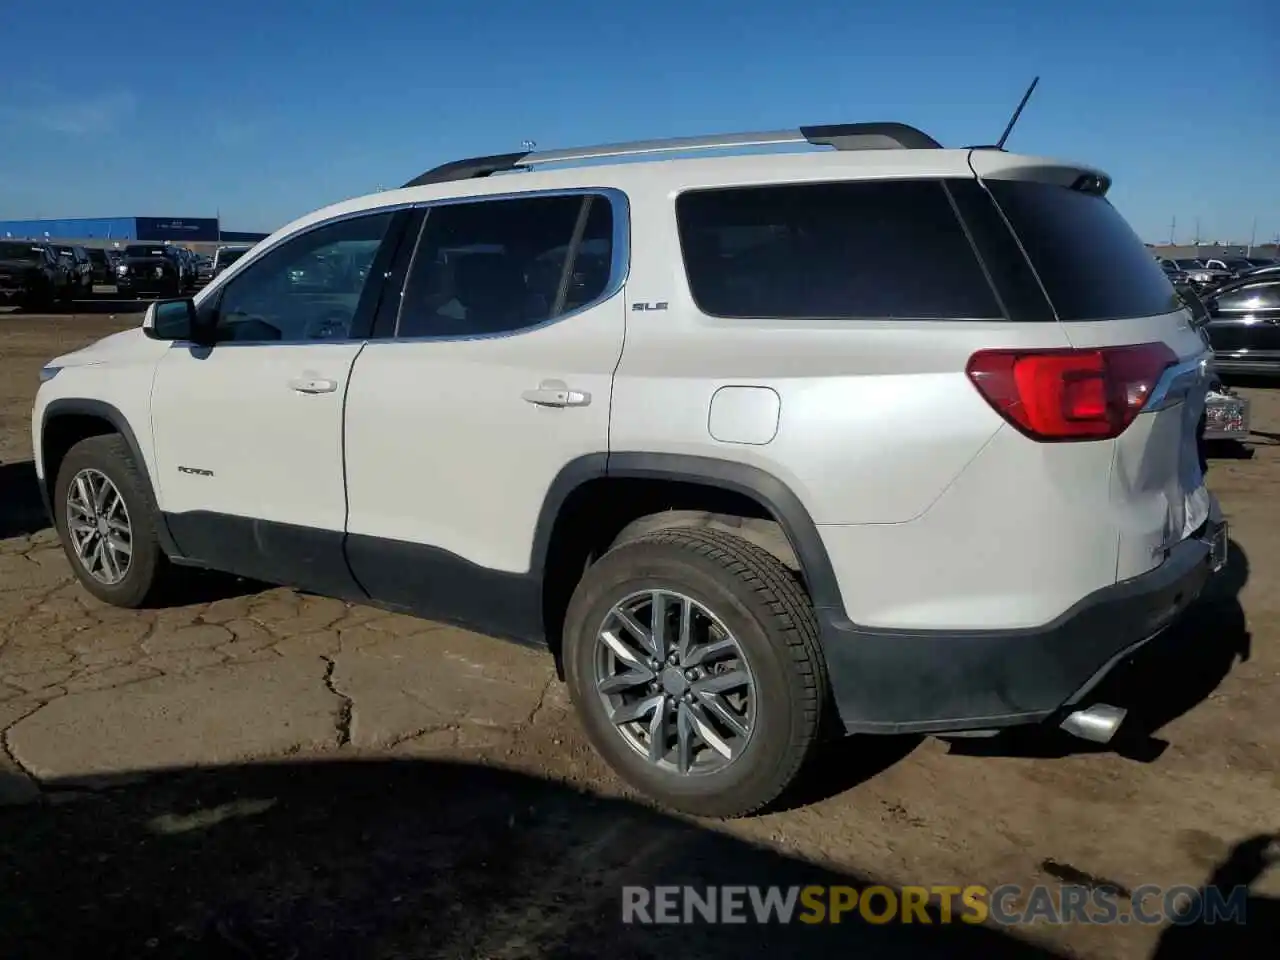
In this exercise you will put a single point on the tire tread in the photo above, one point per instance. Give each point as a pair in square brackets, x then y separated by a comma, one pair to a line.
[775, 598]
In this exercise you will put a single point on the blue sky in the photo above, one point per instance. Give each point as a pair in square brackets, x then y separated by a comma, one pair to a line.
[264, 111]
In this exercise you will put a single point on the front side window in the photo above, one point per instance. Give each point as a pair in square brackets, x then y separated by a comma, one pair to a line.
[307, 288]
[498, 266]
[872, 250]
[1257, 296]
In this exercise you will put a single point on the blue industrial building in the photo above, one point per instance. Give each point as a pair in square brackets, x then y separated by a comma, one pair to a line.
[145, 229]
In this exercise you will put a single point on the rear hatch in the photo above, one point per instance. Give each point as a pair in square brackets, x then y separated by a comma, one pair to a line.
[1120, 313]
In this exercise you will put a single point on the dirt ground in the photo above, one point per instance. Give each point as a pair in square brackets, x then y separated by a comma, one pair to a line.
[512, 840]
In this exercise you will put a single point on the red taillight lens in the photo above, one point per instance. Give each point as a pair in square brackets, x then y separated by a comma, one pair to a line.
[1055, 395]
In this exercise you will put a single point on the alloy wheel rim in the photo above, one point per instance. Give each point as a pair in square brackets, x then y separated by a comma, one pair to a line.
[99, 526]
[674, 682]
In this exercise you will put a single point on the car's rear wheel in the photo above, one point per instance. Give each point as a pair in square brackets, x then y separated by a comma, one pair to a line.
[107, 522]
[693, 659]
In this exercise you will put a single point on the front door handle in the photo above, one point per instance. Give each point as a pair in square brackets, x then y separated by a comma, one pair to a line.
[313, 385]
[556, 393]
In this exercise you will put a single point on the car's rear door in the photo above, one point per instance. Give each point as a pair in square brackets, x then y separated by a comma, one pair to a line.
[496, 377]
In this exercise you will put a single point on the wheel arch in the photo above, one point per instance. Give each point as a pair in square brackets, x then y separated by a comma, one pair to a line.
[67, 421]
[594, 497]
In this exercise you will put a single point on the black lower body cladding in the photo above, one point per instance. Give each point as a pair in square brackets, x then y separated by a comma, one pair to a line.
[936, 682]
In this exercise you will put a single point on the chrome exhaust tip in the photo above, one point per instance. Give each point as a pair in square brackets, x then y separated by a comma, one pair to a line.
[1097, 723]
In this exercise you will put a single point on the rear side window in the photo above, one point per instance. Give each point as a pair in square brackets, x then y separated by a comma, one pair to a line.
[849, 250]
[1093, 266]
[493, 267]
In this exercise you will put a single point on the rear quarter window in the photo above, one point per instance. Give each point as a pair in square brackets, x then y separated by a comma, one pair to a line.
[847, 250]
[1091, 263]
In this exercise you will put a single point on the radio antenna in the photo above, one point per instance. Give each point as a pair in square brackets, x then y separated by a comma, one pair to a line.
[1016, 114]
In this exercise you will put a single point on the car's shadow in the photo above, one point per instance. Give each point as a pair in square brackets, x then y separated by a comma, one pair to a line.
[1168, 677]
[1230, 449]
[401, 859]
[416, 858]
[21, 510]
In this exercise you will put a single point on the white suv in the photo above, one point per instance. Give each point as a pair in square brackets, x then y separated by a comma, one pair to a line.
[883, 438]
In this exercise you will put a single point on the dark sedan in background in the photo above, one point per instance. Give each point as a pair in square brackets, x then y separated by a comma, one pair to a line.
[1244, 324]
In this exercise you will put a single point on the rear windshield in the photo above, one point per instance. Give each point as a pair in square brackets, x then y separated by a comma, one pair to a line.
[137, 251]
[849, 250]
[1093, 266]
[225, 257]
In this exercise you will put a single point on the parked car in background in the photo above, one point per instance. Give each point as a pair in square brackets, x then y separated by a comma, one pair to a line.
[33, 276]
[149, 268]
[204, 267]
[103, 264]
[1233, 265]
[1203, 276]
[1265, 269]
[1226, 413]
[190, 273]
[80, 267]
[1177, 276]
[1244, 325]
[224, 257]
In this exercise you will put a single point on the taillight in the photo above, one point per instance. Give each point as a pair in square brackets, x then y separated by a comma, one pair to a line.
[1057, 395]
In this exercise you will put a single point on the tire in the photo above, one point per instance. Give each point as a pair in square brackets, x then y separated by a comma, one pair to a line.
[770, 617]
[148, 570]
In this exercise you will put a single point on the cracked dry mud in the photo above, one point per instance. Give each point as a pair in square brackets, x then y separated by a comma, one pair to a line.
[88, 692]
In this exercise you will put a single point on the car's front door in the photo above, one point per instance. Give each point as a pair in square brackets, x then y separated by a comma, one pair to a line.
[498, 375]
[248, 432]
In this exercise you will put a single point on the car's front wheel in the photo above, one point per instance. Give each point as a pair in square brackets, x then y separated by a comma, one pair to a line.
[107, 523]
[693, 659]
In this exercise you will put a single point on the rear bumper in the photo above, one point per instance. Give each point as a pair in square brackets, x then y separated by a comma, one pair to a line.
[905, 681]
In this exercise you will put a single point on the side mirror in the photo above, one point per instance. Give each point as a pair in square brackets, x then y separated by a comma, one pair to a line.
[174, 320]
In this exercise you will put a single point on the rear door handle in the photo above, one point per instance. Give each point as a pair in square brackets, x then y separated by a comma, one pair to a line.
[556, 393]
[313, 385]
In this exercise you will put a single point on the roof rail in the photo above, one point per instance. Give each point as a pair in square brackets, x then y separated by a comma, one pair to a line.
[841, 136]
